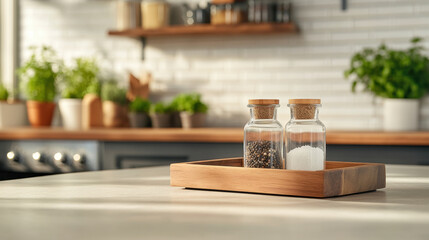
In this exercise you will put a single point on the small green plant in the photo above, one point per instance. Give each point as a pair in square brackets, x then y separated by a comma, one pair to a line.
[110, 91]
[140, 105]
[81, 79]
[160, 108]
[94, 88]
[4, 94]
[391, 73]
[189, 103]
[39, 74]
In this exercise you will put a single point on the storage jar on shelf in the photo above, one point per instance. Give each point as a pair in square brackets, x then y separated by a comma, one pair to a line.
[155, 14]
[263, 135]
[305, 136]
[231, 13]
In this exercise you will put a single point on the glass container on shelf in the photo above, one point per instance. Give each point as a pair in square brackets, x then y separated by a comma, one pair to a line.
[262, 11]
[155, 14]
[196, 13]
[305, 136]
[217, 14]
[231, 13]
[263, 136]
[235, 13]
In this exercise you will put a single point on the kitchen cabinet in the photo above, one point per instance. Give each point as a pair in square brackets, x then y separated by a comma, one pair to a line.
[131, 148]
[118, 155]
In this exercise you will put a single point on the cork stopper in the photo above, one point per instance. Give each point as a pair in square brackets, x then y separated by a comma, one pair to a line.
[264, 108]
[304, 108]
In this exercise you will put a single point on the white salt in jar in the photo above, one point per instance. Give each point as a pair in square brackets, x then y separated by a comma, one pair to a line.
[305, 136]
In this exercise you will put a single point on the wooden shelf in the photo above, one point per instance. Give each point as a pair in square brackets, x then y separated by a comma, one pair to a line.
[207, 29]
[222, 135]
[225, 1]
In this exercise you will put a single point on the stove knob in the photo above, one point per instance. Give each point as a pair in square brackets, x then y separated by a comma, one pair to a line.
[79, 159]
[39, 157]
[12, 157]
[79, 162]
[60, 159]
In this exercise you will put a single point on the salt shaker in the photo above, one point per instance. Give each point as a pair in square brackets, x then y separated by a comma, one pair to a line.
[263, 136]
[305, 136]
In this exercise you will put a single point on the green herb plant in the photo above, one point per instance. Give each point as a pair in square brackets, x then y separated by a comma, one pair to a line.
[39, 74]
[390, 73]
[140, 105]
[81, 79]
[160, 108]
[4, 94]
[190, 103]
[110, 91]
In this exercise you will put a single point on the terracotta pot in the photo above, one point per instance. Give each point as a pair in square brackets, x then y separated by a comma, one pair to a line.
[138, 120]
[115, 115]
[196, 120]
[160, 120]
[40, 113]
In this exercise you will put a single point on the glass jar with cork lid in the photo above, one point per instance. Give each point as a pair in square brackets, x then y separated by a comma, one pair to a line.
[305, 136]
[263, 135]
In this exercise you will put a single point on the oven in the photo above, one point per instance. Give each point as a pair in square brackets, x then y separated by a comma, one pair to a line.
[27, 158]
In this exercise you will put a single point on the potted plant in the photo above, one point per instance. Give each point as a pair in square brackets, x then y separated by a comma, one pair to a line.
[192, 110]
[400, 77]
[138, 115]
[92, 107]
[176, 122]
[12, 112]
[77, 82]
[160, 115]
[38, 77]
[114, 105]
[4, 93]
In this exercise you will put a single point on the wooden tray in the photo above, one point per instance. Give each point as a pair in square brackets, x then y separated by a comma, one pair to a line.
[339, 178]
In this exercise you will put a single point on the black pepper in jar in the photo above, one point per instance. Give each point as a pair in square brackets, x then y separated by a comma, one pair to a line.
[263, 135]
[263, 154]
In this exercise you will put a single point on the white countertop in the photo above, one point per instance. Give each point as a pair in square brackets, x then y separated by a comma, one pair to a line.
[140, 204]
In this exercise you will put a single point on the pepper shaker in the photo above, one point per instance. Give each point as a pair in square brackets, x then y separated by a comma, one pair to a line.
[263, 135]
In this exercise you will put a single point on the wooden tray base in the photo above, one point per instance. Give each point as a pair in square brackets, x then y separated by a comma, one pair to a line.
[338, 179]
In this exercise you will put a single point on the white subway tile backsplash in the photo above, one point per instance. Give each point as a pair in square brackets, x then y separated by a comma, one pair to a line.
[224, 76]
[239, 64]
[208, 64]
[351, 36]
[173, 64]
[228, 70]
[273, 63]
[330, 25]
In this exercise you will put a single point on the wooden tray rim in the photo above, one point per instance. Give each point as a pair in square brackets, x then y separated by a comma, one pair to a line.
[335, 181]
[202, 163]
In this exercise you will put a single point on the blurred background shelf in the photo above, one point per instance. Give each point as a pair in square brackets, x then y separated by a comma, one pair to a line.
[219, 135]
[207, 29]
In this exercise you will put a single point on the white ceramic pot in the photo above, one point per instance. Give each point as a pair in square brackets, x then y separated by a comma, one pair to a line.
[13, 114]
[401, 114]
[71, 113]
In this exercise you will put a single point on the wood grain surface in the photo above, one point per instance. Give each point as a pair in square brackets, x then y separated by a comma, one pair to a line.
[207, 29]
[227, 175]
[221, 135]
[225, 1]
